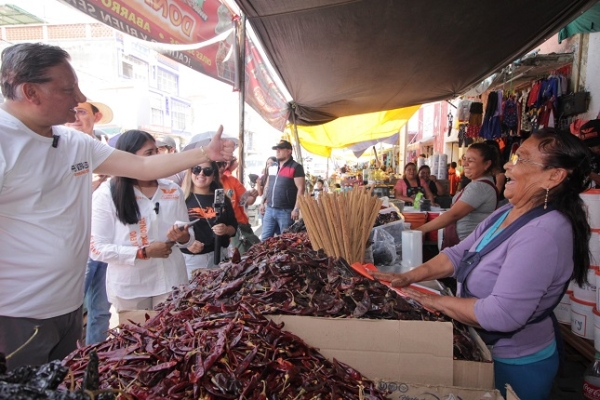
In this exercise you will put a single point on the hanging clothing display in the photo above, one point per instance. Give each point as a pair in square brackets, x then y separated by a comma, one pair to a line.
[490, 128]
[475, 119]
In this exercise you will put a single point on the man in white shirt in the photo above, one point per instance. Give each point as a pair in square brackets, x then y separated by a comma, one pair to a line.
[45, 200]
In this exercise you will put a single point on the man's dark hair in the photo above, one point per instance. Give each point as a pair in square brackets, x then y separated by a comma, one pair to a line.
[28, 63]
[94, 109]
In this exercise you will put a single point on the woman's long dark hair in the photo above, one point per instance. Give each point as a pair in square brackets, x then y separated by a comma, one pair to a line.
[563, 150]
[121, 188]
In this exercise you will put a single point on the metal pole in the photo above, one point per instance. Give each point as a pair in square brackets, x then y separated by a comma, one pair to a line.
[296, 139]
[241, 68]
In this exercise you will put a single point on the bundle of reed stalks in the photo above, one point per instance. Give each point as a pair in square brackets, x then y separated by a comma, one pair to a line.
[340, 223]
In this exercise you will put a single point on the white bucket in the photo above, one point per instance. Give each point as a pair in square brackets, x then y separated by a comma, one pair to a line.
[591, 198]
[563, 309]
[595, 247]
[596, 329]
[587, 292]
[582, 318]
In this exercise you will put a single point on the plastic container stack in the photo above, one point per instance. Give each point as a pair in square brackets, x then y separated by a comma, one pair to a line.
[585, 300]
[442, 170]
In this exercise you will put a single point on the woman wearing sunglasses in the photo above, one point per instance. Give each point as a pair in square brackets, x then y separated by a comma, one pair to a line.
[135, 229]
[199, 187]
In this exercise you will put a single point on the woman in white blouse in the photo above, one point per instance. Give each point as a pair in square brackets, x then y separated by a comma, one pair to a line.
[137, 230]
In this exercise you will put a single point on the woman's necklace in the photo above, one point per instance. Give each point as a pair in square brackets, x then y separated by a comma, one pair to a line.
[200, 204]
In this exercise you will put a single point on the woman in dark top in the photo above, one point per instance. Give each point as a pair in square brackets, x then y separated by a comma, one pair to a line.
[434, 185]
[199, 187]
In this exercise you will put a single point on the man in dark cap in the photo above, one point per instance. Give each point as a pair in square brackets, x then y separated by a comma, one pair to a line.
[285, 183]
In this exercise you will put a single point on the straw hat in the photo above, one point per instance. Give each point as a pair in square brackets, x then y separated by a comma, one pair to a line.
[107, 114]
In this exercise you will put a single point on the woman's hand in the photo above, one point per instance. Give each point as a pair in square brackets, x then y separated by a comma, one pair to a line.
[177, 234]
[196, 247]
[426, 300]
[396, 280]
[221, 229]
[220, 149]
[159, 250]
[261, 209]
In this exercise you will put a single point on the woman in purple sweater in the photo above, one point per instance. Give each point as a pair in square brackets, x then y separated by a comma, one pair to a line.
[515, 267]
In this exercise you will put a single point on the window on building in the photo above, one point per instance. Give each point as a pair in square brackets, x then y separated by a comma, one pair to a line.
[157, 109]
[134, 68]
[181, 115]
[127, 70]
[166, 81]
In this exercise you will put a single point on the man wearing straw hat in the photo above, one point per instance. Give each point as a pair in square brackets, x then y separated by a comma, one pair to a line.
[285, 184]
[88, 114]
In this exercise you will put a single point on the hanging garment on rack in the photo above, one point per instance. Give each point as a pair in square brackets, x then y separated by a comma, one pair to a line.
[475, 119]
[490, 128]
[462, 135]
[533, 94]
[463, 111]
[510, 118]
[525, 119]
[500, 95]
[546, 115]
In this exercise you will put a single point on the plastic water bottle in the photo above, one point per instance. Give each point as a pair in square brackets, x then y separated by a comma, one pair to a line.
[591, 380]
[417, 200]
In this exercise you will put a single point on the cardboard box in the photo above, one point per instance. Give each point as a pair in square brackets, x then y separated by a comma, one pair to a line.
[406, 391]
[407, 351]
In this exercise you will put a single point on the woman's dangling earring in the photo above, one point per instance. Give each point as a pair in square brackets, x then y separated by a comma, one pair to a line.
[546, 200]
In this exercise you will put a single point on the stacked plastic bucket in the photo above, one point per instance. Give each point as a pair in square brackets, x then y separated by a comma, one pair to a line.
[585, 300]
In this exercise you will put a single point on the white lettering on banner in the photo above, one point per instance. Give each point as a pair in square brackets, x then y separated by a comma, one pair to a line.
[84, 6]
[118, 24]
[181, 57]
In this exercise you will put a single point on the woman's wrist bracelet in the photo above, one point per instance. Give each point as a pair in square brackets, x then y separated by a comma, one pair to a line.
[205, 154]
[141, 254]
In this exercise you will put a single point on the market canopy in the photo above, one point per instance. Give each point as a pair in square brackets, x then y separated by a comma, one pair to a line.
[356, 132]
[339, 57]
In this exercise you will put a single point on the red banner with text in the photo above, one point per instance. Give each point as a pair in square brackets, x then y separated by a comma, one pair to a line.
[188, 23]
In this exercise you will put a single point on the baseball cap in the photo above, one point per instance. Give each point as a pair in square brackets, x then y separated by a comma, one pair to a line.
[166, 141]
[283, 144]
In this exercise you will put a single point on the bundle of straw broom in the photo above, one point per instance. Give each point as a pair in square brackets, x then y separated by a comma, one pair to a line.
[340, 223]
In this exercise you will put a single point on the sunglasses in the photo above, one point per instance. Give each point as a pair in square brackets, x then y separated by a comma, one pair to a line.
[206, 171]
[515, 159]
[221, 164]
